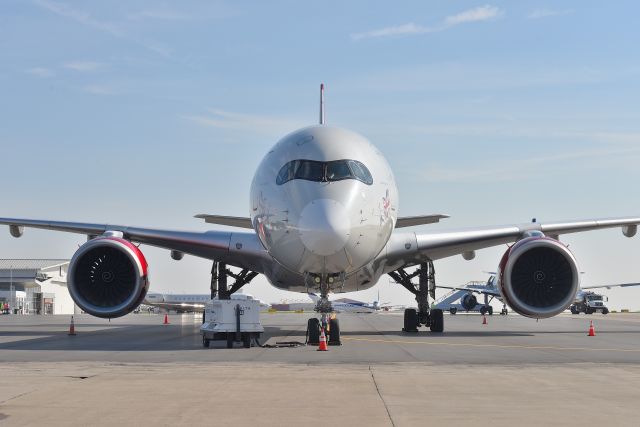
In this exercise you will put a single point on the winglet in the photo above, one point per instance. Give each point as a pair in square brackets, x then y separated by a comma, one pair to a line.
[321, 103]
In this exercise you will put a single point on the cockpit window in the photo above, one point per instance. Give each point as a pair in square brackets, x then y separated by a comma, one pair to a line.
[335, 170]
[338, 170]
[309, 170]
[361, 172]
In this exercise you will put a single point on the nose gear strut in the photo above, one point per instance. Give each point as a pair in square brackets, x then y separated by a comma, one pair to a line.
[425, 288]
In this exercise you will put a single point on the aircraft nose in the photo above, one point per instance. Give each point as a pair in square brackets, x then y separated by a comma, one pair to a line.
[324, 226]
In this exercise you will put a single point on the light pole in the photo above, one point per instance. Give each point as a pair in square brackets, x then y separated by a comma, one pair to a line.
[12, 296]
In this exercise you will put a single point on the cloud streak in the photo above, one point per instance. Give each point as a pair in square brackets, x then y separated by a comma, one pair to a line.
[478, 14]
[41, 72]
[83, 66]
[247, 122]
[527, 168]
[546, 13]
[113, 29]
[98, 90]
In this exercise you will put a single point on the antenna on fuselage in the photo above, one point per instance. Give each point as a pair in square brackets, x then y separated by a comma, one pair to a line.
[321, 103]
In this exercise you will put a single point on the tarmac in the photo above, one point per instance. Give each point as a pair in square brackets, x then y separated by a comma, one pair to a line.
[134, 369]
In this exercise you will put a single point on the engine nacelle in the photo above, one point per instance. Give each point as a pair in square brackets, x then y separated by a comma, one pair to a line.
[468, 301]
[108, 277]
[538, 277]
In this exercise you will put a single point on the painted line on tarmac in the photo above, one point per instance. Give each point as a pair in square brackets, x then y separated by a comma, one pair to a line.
[524, 347]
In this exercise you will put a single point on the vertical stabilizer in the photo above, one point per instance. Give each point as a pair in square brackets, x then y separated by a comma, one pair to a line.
[321, 103]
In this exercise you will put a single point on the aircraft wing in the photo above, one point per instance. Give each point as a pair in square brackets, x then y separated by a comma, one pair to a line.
[196, 308]
[619, 285]
[242, 250]
[406, 249]
[491, 292]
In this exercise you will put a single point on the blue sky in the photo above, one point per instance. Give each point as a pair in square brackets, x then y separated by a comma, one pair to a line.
[147, 112]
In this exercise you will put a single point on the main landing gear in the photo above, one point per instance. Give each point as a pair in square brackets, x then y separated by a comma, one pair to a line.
[425, 288]
[219, 279]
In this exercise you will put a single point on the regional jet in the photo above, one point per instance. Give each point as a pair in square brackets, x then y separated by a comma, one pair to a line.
[324, 217]
[190, 302]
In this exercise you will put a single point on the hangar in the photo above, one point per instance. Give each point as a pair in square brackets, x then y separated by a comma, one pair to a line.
[35, 286]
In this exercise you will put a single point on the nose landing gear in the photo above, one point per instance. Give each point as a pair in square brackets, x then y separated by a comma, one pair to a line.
[328, 320]
[425, 288]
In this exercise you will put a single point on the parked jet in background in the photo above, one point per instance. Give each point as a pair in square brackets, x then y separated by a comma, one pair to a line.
[190, 302]
[469, 302]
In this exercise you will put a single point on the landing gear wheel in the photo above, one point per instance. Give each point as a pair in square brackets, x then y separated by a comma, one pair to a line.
[490, 309]
[313, 331]
[504, 312]
[483, 310]
[410, 320]
[205, 342]
[437, 320]
[230, 339]
[246, 340]
[334, 332]
[453, 311]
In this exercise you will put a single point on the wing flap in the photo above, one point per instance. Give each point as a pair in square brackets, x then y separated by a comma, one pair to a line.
[410, 221]
[232, 221]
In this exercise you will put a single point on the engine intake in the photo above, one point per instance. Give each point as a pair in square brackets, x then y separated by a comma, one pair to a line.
[469, 301]
[108, 277]
[538, 277]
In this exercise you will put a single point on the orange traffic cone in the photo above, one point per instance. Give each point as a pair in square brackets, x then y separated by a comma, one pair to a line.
[72, 327]
[323, 341]
[166, 319]
[484, 319]
[592, 330]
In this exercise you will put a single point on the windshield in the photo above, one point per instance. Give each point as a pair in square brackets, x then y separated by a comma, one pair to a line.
[336, 170]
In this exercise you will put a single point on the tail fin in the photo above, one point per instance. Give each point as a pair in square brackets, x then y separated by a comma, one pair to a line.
[321, 103]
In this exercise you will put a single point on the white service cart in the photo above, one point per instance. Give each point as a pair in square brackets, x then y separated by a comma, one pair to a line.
[231, 320]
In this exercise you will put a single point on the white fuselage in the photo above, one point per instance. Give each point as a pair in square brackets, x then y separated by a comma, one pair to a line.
[324, 204]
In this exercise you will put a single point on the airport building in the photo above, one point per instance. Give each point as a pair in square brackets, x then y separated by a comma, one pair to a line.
[35, 286]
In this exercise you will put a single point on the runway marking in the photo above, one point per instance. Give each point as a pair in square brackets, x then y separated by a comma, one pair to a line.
[527, 347]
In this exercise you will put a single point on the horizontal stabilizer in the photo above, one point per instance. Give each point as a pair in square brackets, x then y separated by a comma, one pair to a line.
[409, 221]
[232, 221]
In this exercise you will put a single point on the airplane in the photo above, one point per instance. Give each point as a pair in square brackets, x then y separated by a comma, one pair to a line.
[348, 305]
[190, 302]
[324, 217]
[490, 291]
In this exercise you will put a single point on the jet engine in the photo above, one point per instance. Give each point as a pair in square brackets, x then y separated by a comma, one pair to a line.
[468, 301]
[538, 277]
[108, 277]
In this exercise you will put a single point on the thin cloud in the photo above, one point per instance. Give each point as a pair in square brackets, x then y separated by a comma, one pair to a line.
[237, 121]
[522, 169]
[83, 66]
[162, 13]
[478, 14]
[40, 72]
[546, 13]
[99, 90]
[86, 19]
